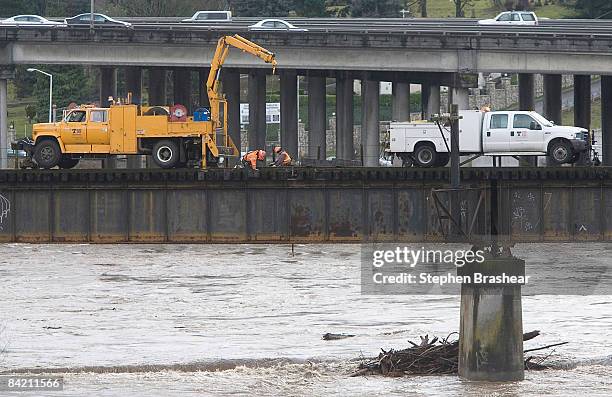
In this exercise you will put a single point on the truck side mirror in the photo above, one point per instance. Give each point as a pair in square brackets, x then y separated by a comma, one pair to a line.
[535, 126]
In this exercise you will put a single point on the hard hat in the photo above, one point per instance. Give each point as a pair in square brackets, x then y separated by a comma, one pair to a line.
[277, 149]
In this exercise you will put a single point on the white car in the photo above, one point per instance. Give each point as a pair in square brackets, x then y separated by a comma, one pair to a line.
[99, 19]
[276, 25]
[29, 20]
[210, 16]
[521, 18]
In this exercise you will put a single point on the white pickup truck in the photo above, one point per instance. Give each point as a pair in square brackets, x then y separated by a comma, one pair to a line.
[503, 133]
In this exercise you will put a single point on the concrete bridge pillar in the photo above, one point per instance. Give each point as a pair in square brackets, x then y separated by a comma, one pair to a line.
[606, 120]
[370, 120]
[582, 101]
[157, 86]
[257, 110]
[526, 91]
[231, 89]
[491, 326]
[108, 87]
[202, 91]
[133, 83]
[527, 102]
[461, 97]
[552, 101]
[401, 101]
[317, 117]
[289, 113]
[433, 101]
[3, 123]
[182, 88]
[344, 117]
[582, 108]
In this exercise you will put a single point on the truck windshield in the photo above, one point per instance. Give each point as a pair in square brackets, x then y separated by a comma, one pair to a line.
[541, 119]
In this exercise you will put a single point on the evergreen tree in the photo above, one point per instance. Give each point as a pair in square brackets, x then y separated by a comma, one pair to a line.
[310, 8]
[376, 8]
[260, 8]
[593, 8]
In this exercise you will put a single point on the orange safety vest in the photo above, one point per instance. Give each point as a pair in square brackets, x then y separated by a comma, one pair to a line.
[251, 157]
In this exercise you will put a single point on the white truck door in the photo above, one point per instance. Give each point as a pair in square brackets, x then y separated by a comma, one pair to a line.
[522, 137]
[496, 133]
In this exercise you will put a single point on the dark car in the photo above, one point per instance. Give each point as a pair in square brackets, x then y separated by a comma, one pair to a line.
[99, 19]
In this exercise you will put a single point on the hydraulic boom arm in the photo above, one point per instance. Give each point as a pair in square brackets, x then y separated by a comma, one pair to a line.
[212, 84]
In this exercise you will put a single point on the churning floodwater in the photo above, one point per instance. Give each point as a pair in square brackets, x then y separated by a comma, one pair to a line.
[160, 320]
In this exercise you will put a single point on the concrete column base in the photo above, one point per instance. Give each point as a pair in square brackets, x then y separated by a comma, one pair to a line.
[491, 330]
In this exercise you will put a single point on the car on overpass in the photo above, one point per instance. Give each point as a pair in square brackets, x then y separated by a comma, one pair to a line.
[29, 20]
[99, 19]
[210, 16]
[520, 18]
[275, 25]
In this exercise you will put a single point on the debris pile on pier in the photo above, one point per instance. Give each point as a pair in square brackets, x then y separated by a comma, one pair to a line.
[436, 356]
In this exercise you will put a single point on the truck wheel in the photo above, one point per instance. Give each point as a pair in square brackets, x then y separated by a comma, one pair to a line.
[166, 154]
[442, 159]
[47, 154]
[425, 155]
[561, 152]
[67, 163]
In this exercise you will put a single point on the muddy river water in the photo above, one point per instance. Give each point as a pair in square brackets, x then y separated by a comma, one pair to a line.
[149, 320]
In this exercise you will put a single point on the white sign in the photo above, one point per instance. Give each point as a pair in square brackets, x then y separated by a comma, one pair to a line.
[272, 113]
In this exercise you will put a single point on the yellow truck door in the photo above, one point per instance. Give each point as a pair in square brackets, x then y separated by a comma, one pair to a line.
[122, 121]
[74, 129]
[97, 129]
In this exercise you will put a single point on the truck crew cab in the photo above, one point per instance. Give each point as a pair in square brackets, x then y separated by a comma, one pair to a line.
[500, 133]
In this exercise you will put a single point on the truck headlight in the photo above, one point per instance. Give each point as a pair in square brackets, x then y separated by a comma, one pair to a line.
[580, 135]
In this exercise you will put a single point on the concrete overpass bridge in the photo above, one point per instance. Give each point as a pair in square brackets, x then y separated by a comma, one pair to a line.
[433, 53]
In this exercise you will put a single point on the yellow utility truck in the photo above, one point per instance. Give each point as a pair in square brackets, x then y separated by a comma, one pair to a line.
[167, 133]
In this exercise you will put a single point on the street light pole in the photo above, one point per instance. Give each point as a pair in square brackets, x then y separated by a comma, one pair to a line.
[50, 90]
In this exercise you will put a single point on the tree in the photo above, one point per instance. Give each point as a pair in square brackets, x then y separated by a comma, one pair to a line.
[460, 7]
[375, 8]
[593, 8]
[70, 84]
[260, 8]
[159, 8]
[310, 8]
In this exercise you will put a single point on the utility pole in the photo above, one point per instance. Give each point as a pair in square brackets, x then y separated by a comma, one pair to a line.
[454, 170]
[91, 15]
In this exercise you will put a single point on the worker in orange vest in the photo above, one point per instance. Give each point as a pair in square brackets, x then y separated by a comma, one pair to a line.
[283, 159]
[250, 159]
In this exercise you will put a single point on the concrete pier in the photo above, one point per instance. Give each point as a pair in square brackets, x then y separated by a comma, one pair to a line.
[231, 89]
[317, 118]
[182, 88]
[606, 120]
[157, 86]
[552, 101]
[401, 101]
[582, 108]
[345, 149]
[3, 119]
[461, 97]
[289, 112]
[133, 83]
[257, 110]
[108, 88]
[527, 102]
[526, 91]
[433, 101]
[491, 326]
[370, 120]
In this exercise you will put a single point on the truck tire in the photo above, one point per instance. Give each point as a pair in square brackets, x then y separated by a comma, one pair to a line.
[67, 163]
[425, 155]
[443, 159]
[166, 153]
[561, 152]
[47, 154]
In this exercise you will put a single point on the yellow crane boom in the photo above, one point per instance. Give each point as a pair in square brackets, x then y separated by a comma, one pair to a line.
[215, 97]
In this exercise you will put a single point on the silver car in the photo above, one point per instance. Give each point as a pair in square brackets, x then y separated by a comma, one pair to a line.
[275, 25]
[29, 20]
